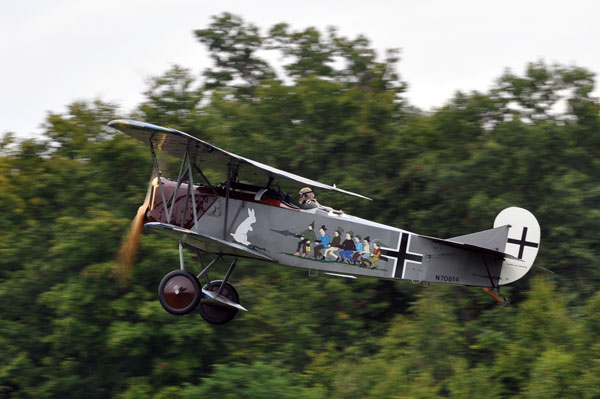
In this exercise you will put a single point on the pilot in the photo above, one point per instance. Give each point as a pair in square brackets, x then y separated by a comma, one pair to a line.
[307, 200]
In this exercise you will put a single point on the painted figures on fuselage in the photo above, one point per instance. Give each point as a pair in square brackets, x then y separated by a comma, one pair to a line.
[323, 243]
[358, 247]
[351, 249]
[306, 237]
[362, 253]
[335, 244]
[347, 248]
[375, 256]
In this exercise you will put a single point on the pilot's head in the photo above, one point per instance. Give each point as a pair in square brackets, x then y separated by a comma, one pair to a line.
[305, 194]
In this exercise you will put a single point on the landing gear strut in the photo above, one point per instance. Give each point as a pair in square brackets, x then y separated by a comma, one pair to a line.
[216, 313]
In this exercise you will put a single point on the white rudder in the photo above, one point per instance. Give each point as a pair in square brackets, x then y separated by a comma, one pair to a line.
[523, 242]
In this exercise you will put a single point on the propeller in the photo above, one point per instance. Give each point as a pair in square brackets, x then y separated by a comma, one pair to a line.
[123, 267]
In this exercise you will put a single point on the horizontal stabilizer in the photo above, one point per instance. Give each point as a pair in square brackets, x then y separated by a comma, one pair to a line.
[205, 242]
[471, 247]
[494, 239]
[213, 297]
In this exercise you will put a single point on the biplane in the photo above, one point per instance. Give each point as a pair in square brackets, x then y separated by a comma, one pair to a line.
[238, 219]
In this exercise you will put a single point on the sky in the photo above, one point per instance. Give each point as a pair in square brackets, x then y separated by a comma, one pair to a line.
[54, 52]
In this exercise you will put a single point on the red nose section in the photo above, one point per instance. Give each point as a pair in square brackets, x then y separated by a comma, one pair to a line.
[181, 214]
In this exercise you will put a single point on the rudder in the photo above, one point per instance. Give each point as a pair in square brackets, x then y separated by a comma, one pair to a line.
[523, 242]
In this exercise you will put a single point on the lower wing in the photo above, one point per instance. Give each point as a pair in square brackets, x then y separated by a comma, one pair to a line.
[205, 242]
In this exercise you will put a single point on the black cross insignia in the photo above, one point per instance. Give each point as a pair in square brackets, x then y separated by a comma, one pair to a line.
[522, 243]
[402, 255]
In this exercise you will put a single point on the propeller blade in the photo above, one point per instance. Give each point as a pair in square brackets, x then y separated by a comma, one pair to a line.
[129, 248]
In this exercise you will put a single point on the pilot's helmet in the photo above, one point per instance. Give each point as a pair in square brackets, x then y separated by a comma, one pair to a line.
[307, 192]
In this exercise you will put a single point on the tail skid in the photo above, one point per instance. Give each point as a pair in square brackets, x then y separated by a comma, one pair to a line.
[501, 299]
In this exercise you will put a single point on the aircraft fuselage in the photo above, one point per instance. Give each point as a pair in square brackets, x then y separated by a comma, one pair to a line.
[318, 239]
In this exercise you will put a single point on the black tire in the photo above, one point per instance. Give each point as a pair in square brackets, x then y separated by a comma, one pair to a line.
[219, 314]
[179, 292]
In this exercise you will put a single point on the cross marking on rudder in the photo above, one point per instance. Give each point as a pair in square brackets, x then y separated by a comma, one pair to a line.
[522, 243]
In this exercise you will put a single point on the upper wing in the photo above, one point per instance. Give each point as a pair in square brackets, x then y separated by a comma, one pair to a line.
[176, 143]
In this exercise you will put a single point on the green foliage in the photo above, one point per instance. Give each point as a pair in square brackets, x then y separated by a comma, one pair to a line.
[337, 115]
[233, 45]
[256, 380]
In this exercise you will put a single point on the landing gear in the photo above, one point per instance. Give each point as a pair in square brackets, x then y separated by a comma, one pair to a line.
[214, 312]
[179, 292]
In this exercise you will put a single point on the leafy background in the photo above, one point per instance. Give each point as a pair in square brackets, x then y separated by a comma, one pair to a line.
[334, 111]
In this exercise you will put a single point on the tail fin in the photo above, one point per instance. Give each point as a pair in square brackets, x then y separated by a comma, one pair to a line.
[523, 242]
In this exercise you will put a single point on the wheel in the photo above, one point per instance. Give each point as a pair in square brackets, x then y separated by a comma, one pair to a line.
[179, 292]
[219, 314]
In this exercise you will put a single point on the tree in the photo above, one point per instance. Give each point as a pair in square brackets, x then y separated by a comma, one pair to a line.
[256, 380]
[233, 45]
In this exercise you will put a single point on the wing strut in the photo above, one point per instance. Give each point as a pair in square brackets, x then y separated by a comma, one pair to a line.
[160, 188]
[205, 178]
[186, 169]
[191, 185]
[227, 190]
[174, 194]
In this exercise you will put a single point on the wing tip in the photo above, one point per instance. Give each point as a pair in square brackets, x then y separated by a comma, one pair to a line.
[124, 122]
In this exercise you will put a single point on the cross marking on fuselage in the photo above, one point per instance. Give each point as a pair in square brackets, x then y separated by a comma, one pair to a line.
[522, 243]
[401, 255]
